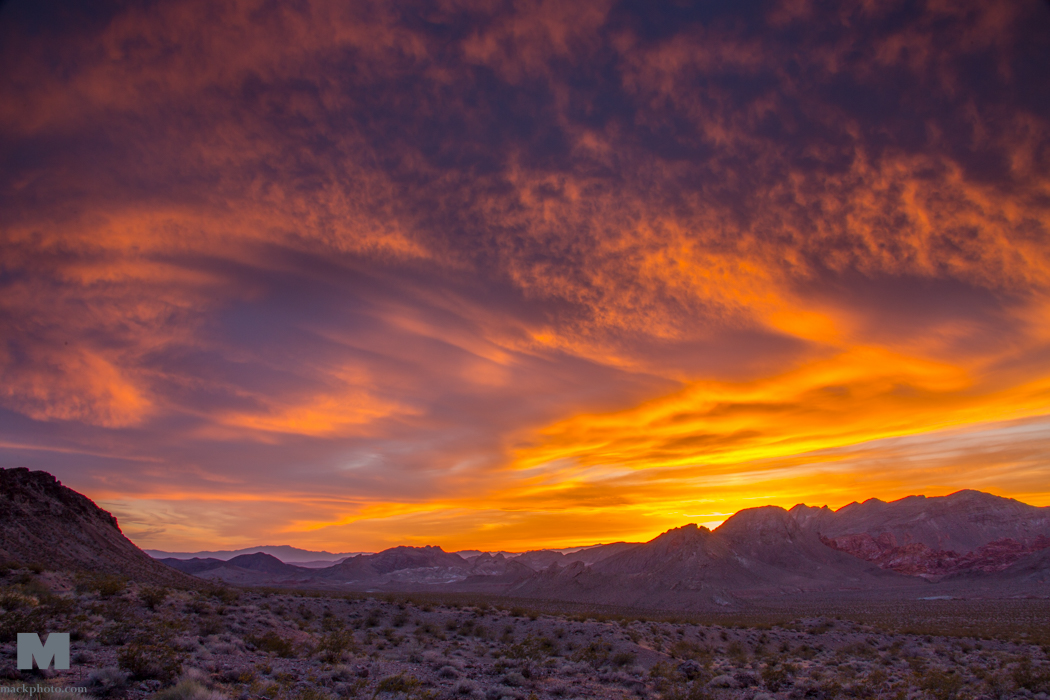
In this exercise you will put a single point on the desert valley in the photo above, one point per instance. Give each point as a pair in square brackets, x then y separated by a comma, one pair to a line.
[921, 598]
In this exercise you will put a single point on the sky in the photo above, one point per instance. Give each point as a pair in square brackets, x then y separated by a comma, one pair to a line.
[519, 274]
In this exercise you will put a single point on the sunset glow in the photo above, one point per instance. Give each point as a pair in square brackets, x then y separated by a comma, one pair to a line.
[348, 275]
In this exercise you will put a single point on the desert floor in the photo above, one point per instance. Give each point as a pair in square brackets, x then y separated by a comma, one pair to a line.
[139, 641]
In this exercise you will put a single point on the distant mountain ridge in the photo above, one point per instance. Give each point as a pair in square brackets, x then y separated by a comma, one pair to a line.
[966, 544]
[404, 566]
[284, 552]
[895, 548]
[318, 559]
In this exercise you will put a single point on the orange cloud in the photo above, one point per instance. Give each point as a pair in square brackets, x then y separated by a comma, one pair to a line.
[73, 385]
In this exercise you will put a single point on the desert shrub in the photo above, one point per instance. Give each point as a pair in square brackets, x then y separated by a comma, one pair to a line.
[666, 679]
[857, 649]
[391, 636]
[736, 652]
[330, 623]
[679, 691]
[189, 690]
[15, 621]
[829, 688]
[805, 652]
[397, 684]
[942, 685]
[150, 660]
[685, 649]
[56, 694]
[244, 674]
[428, 630]
[208, 625]
[336, 643]
[469, 628]
[15, 600]
[693, 671]
[152, 596]
[308, 692]
[999, 685]
[341, 673]
[107, 681]
[595, 653]
[116, 633]
[777, 676]
[877, 679]
[273, 643]
[463, 687]
[223, 594]
[199, 606]
[1029, 678]
[514, 680]
[532, 649]
[662, 669]
[105, 585]
[179, 627]
[917, 664]
[745, 679]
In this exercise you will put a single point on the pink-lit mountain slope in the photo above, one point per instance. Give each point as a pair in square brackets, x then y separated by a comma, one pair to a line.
[968, 531]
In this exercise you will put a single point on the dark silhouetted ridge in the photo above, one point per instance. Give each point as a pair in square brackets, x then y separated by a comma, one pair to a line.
[42, 521]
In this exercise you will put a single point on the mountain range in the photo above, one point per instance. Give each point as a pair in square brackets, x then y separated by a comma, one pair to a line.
[967, 544]
[286, 553]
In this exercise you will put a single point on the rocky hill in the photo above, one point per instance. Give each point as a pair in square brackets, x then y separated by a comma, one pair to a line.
[42, 521]
[965, 532]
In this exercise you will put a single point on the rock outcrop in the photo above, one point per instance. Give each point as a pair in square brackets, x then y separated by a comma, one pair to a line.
[967, 531]
[42, 521]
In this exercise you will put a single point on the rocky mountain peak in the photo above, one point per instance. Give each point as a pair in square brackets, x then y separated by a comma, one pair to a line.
[681, 536]
[759, 524]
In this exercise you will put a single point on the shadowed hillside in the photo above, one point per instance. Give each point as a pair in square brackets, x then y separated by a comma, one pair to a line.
[42, 521]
